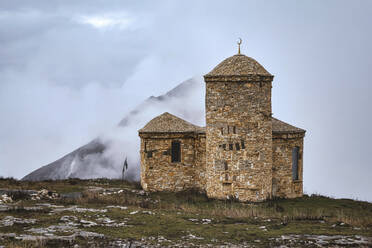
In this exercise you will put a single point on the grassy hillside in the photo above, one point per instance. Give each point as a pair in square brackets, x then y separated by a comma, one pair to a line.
[113, 213]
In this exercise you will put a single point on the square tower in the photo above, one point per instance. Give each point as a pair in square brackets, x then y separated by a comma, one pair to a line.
[239, 130]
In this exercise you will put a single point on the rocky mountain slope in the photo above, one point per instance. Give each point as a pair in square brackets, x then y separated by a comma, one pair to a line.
[104, 156]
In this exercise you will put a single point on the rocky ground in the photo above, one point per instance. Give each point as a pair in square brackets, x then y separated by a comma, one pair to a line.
[104, 213]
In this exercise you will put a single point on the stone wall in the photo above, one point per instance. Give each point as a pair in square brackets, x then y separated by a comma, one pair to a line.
[239, 140]
[283, 183]
[159, 173]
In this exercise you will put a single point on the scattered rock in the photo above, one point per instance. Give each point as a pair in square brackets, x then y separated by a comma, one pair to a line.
[263, 228]
[139, 192]
[68, 218]
[325, 240]
[4, 198]
[192, 236]
[44, 194]
[206, 221]
[69, 238]
[148, 212]
[10, 221]
[7, 235]
[88, 223]
[202, 221]
[119, 207]
[79, 210]
[105, 220]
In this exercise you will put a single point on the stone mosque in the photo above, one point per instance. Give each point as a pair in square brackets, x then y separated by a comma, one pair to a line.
[243, 152]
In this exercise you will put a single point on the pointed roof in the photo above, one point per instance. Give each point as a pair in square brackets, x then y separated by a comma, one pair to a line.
[168, 123]
[282, 127]
[238, 65]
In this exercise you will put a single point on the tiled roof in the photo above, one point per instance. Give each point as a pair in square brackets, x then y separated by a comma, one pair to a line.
[168, 123]
[282, 127]
[238, 65]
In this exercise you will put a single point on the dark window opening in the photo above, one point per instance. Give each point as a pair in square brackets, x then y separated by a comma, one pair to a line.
[222, 130]
[226, 166]
[226, 177]
[176, 151]
[224, 146]
[228, 129]
[234, 130]
[234, 178]
[231, 146]
[295, 156]
[237, 146]
[145, 146]
[243, 145]
[149, 154]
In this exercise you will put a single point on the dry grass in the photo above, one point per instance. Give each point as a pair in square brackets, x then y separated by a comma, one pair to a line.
[28, 244]
[308, 208]
[96, 198]
[312, 208]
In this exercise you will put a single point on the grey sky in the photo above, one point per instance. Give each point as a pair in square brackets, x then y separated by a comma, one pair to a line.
[71, 70]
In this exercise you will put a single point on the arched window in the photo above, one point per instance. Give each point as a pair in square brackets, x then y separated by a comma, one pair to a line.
[176, 151]
[295, 156]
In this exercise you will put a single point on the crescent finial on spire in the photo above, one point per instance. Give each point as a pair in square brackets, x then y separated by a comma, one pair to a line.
[239, 42]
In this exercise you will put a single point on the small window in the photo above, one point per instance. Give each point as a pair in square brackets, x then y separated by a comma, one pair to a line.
[295, 156]
[149, 154]
[226, 166]
[234, 129]
[224, 146]
[222, 130]
[237, 145]
[231, 147]
[176, 151]
[228, 129]
[227, 177]
[243, 145]
[145, 147]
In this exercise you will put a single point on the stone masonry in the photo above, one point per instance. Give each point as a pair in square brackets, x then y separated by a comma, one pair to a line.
[238, 116]
[158, 172]
[243, 152]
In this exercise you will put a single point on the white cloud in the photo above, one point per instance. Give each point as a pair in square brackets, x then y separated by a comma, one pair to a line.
[107, 21]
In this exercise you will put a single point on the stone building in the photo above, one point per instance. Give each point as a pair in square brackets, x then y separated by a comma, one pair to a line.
[243, 152]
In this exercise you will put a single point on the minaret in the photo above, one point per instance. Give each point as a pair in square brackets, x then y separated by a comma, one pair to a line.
[239, 130]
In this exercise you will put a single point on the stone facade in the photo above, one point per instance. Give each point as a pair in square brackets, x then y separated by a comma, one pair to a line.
[238, 118]
[242, 153]
[159, 173]
[284, 185]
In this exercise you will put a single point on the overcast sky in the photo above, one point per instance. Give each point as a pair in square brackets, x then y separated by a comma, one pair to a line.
[69, 70]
